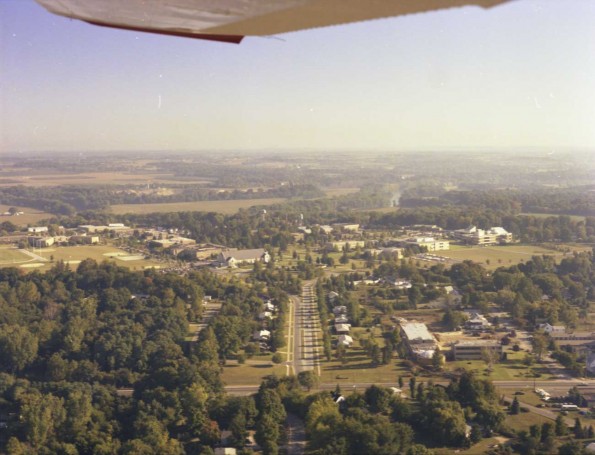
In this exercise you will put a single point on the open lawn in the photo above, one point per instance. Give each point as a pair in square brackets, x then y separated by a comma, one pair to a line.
[493, 257]
[251, 372]
[31, 216]
[511, 369]
[11, 256]
[357, 366]
[225, 207]
[73, 255]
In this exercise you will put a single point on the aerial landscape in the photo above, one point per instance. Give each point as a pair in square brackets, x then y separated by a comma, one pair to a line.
[298, 244]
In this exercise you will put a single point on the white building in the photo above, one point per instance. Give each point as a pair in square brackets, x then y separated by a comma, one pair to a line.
[430, 243]
[234, 257]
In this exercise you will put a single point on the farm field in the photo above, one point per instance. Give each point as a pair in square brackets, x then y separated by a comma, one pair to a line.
[43, 259]
[547, 215]
[493, 257]
[225, 207]
[96, 178]
[31, 216]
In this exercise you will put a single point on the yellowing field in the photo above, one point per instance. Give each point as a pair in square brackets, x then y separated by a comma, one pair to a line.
[44, 258]
[225, 207]
[493, 257]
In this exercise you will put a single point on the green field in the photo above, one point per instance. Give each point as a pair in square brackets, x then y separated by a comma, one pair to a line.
[548, 215]
[44, 258]
[11, 256]
[252, 372]
[225, 207]
[493, 257]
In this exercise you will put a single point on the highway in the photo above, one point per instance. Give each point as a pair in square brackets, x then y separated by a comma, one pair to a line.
[555, 387]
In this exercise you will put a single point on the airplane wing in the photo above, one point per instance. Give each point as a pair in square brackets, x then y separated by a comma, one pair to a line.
[231, 20]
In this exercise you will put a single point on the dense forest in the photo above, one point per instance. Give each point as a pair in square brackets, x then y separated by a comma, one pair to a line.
[70, 339]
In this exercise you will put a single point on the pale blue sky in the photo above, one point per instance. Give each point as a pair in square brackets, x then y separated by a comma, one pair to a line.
[518, 75]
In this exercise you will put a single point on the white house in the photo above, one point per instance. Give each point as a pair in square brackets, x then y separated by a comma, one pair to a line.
[345, 340]
[342, 329]
[261, 335]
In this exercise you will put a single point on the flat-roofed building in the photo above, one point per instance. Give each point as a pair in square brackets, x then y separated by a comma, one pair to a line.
[37, 229]
[342, 244]
[491, 236]
[473, 349]
[430, 243]
[41, 242]
[419, 341]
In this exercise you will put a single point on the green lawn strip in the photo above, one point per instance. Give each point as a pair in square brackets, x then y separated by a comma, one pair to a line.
[252, 372]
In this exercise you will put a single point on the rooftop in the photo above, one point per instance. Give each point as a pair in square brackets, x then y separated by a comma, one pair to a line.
[417, 331]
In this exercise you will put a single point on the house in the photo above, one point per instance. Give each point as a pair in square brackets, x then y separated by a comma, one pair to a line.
[550, 329]
[268, 306]
[341, 319]
[342, 329]
[341, 309]
[398, 283]
[590, 448]
[477, 322]
[474, 350]
[332, 296]
[235, 257]
[226, 451]
[396, 391]
[345, 340]
[265, 315]
[261, 335]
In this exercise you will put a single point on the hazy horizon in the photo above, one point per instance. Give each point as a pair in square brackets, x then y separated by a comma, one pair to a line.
[520, 76]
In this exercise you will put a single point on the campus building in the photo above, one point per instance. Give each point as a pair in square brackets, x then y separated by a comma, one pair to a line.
[473, 350]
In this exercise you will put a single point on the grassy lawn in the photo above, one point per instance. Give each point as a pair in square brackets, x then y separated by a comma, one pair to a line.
[251, 372]
[524, 420]
[11, 256]
[73, 255]
[499, 256]
[226, 207]
[511, 369]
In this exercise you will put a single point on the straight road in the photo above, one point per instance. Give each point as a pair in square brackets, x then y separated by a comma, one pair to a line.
[561, 385]
[306, 330]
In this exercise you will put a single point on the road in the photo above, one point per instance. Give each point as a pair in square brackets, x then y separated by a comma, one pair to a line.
[211, 309]
[296, 435]
[560, 386]
[303, 340]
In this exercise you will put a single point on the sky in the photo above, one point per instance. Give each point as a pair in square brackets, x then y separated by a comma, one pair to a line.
[520, 75]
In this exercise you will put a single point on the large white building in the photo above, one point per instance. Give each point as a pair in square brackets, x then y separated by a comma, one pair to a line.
[233, 257]
[491, 236]
[430, 243]
[420, 342]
